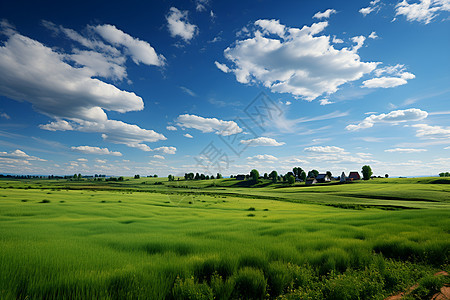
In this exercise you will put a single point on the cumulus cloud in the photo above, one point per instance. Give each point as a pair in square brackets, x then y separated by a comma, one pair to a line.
[217, 126]
[95, 150]
[394, 117]
[325, 149]
[188, 136]
[159, 156]
[373, 35]
[324, 15]
[397, 76]
[432, 132]
[140, 51]
[405, 150]
[296, 61]
[369, 9]
[33, 72]
[178, 24]
[262, 141]
[82, 159]
[423, 11]
[19, 155]
[171, 128]
[166, 150]
[263, 157]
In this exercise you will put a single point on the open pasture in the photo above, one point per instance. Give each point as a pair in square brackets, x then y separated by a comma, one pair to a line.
[213, 239]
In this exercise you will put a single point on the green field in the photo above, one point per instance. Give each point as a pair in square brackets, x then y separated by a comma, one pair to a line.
[221, 239]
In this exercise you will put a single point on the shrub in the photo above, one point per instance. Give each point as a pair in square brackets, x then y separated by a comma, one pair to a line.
[249, 283]
[251, 209]
[429, 285]
[192, 290]
[45, 201]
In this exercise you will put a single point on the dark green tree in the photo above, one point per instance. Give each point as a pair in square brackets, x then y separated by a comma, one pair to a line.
[313, 173]
[137, 176]
[329, 174]
[219, 176]
[303, 175]
[255, 175]
[386, 175]
[290, 179]
[266, 176]
[367, 172]
[274, 176]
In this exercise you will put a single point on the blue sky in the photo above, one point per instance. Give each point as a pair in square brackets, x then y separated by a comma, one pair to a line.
[213, 86]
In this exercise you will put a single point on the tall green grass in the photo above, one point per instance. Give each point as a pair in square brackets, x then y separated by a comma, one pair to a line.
[158, 246]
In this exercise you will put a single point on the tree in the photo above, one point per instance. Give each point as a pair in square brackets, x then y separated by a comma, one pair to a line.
[297, 171]
[313, 173]
[120, 178]
[219, 176]
[79, 176]
[197, 176]
[329, 174]
[386, 175]
[303, 175]
[156, 176]
[75, 176]
[367, 172]
[266, 176]
[290, 179]
[171, 178]
[274, 176]
[202, 177]
[212, 176]
[255, 175]
[137, 176]
[231, 176]
[207, 177]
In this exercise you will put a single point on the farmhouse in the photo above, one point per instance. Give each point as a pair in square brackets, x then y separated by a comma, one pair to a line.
[353, 176]
[323, 178]
[240, 177]
[310, 181]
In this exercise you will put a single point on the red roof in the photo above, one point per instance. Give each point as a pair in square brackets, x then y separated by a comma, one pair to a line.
[354, 175]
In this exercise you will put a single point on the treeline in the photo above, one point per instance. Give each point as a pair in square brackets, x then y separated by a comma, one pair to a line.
[197, 176]
[444, 174]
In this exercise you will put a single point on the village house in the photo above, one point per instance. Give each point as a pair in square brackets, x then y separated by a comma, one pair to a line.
[353, 176]
[310, 181]
[322, 178]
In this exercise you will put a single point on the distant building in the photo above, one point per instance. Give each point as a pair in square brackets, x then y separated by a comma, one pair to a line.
[323, 178]
[240, 177]
[343, 177]
[353, 176]
[310, 181]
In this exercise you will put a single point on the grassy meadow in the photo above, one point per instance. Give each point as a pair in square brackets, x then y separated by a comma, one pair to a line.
[150, 238]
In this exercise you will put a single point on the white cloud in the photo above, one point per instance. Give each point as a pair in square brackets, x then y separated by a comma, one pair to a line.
[324, 15]
[263, 157]
[61, 125]
[325, 149]
[424, 11]
[18, 155]
[335, 40]
[432, 132]
[166, 150]
[397, 76]
[188, 135]
[100, 161]
[178, 24]
[394, 117]
[82, 159]
[372, 7]
[373, 35]
[171, 128]
[95, 150]
[325, 101]
[100, 64]
[262, 141]
[405, 150]
[447, 148]
[384, 82]
[140, 51]
[222, 67]
[35, 73]
[159, 156]
[295, 61]
[5, 116]
[220, 127]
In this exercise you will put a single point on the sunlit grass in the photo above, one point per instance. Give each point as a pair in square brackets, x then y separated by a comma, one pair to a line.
[119, 244]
